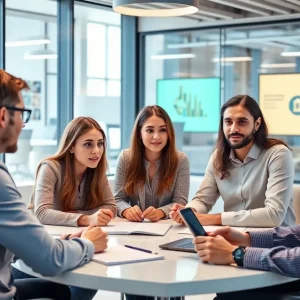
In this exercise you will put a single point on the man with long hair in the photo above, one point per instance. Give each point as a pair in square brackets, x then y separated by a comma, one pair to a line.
[251, 172]
[20, 232]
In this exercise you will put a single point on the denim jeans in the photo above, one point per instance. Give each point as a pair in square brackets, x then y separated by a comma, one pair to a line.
[77, 293]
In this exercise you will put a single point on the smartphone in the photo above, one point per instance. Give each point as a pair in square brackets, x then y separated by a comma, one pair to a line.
[192, 222]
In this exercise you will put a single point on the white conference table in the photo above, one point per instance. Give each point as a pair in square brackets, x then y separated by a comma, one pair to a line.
[179, 274]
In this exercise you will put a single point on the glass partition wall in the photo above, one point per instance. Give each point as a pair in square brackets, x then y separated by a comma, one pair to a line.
[188, 61]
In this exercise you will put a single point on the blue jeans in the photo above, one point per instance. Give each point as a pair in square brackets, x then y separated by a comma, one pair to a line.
[77, 293]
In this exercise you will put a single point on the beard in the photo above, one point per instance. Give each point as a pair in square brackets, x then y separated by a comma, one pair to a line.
[7, 136]
[244, 142]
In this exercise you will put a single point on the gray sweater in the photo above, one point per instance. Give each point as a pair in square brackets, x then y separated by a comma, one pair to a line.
[47, 203]
[147, 195]
[22, 235]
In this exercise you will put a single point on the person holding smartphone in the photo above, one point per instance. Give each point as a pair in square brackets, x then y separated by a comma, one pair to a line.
[276, 250]
[151, 175]
[251, 172]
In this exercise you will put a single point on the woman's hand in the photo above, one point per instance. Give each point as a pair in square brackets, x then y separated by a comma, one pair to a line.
[153, 214]
[133, 214]
[100, 218]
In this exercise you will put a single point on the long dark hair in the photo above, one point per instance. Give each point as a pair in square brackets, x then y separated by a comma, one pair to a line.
[221, 162]
[136, 174]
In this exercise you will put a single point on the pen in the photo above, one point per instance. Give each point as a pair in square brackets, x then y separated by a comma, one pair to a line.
[140, 206]
[141, 249]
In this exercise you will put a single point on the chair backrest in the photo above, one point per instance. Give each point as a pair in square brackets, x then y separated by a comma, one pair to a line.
[296, 202]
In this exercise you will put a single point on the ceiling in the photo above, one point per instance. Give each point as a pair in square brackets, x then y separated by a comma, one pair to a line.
[210, 10]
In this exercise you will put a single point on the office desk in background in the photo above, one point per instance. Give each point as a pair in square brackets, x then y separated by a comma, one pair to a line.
[179, 274]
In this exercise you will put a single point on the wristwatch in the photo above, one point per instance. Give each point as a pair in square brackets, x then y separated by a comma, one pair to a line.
[238, 255]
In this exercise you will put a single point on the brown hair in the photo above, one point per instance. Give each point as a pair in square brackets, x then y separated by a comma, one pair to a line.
[94, 178]
[222, 162]
[10, 86]
[136, 174]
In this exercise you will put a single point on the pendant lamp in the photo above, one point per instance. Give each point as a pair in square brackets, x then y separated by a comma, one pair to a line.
[154, 8]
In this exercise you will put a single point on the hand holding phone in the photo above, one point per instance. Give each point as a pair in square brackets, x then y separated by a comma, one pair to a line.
[192, 222]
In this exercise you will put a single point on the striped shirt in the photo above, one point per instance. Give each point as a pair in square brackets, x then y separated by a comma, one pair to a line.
[276, 250]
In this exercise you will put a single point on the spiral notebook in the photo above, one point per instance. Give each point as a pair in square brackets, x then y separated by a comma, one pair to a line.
[117, 255]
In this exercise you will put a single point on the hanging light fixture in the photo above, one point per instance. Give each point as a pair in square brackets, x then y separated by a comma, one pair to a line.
[156, 8]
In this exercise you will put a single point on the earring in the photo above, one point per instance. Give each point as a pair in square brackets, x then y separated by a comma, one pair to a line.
[71, 151]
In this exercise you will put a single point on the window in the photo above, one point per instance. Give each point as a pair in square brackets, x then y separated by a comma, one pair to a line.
[236, 56]
[97, 72]
[36, 64]
[103, 60]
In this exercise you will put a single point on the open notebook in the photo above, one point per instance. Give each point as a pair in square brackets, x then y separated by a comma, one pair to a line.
[124, 228]
[117, 255]
[146, 228]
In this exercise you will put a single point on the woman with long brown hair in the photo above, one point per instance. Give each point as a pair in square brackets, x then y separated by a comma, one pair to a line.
[151, 175]
[71, 187]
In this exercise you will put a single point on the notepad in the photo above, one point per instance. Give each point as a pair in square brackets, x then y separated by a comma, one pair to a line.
[117, 255]
[146, 228]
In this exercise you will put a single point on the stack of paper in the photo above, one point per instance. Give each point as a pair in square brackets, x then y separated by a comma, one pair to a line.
[117, 255]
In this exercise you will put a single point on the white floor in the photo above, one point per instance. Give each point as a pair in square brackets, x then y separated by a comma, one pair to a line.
[103, 295]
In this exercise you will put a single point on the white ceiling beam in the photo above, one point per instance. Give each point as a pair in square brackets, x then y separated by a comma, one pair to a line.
[218, 13]
[247, 7]
[297, 2]
[266, 5]
[285, 4]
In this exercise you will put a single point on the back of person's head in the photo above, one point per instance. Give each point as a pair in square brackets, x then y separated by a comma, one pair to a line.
[260, 136]
[10, 86]
[10, 98]
[95, 178]
[136, 174]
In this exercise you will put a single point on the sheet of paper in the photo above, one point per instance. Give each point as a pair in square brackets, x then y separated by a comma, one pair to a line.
[60, 230]
[116, 255]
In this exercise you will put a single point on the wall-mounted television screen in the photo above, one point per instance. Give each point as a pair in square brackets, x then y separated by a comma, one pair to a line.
[194, 101]
[279, 100]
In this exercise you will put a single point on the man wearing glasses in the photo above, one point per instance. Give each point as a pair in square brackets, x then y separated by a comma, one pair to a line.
[20, 232]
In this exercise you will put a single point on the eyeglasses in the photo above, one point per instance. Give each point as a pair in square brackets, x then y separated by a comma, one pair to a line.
[25, 113]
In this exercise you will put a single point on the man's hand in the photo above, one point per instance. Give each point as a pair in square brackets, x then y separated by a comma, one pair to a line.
[133, 214]
[209, 219]
[153, 214]
[214, 250]
[233, 236]
[97, 237]
[174, 213]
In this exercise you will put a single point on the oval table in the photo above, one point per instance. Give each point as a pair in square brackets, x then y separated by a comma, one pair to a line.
[179, 274]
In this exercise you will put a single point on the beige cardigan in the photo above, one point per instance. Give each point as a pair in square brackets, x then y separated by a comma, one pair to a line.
[46, 201]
